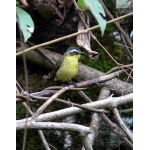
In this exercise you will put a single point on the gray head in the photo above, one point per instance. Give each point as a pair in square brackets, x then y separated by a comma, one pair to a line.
[73, 51]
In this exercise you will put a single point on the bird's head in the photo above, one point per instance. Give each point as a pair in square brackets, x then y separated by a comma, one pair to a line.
[73, 51]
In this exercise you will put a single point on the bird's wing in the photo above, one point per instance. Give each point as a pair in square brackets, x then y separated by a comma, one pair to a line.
[56, 67]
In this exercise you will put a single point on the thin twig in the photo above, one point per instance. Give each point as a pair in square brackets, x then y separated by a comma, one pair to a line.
[104, 93]
[127, 49]
[116, 130]
[123, 45]
[127, 79]
[122, 125]
[70, 104]
[116, 24]
[114, 127]
[106, 103]
[48, 102]
[130, 75]
[40, 132]
[31, 113]
[126, 110]
[85, 84]
[118, 68]
[106, 51]
[124, 41]
[99, 79]
[84, 96]
[60, 87]
[84, 107]
[70, 36]
[94, 38]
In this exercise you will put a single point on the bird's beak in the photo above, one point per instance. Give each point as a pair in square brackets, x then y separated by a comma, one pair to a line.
[81, 52]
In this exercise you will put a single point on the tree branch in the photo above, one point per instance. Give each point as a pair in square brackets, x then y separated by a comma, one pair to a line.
[96, 119]
[53, 125]
[116, 130]
[85, 72]
[40, 132]
[106, 103]
[50, 100]
[122, 125]
[69, 36]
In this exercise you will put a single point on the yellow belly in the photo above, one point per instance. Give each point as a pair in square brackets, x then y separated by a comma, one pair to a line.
[68, 69]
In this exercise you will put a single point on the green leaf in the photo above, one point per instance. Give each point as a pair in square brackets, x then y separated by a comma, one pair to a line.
[81, 5]
[121, 3]
[17, 2]
[26, 23]
[98, 12]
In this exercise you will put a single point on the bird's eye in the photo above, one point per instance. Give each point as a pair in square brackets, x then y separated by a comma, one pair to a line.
[75, 53]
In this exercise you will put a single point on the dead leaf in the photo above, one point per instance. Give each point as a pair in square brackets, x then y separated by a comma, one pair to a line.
[83, 40]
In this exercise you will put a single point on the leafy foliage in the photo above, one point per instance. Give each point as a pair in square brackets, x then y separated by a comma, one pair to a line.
[25, 22]
[121, 3]
[96, 9]
[17, 2]
[82, 5]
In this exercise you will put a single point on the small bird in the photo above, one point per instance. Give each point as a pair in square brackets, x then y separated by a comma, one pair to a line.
[68, 65]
